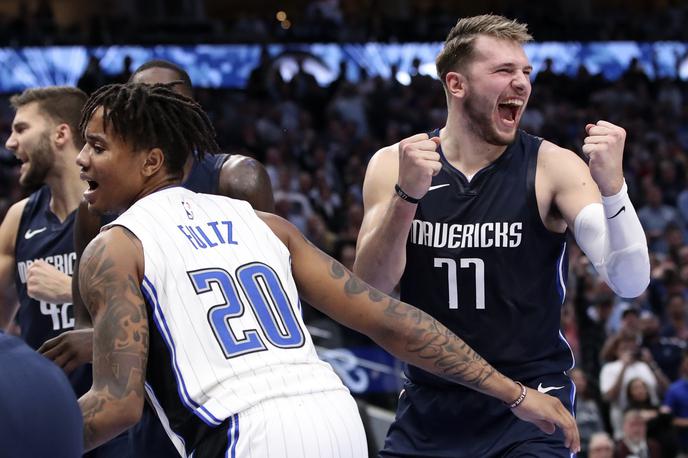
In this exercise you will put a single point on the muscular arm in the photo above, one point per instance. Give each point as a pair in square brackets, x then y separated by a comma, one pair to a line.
[245, 178]
[8, 237]
[407, 332]
[610, 235]
[381, 245]
[111, 269]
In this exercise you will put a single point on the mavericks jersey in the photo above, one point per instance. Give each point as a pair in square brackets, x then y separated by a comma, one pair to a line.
[480, 260]
[205, 174]
[42, 236]
[225, 323]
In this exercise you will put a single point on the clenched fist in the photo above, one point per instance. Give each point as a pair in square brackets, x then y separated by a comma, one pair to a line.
[604, 147]
[419, 161]
[45, 283]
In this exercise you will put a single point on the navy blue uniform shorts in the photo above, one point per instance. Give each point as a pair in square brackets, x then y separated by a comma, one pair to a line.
[458, 422]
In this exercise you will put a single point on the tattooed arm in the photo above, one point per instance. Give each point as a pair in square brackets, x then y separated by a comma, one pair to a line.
[110, 277]
[409, 333]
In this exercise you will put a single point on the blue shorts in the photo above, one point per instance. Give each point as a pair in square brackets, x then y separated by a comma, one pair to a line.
[458, 422]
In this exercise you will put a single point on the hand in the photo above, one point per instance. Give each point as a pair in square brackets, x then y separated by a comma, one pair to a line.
[418, 163]
[546, 412]
[604, 146]
[45, 283]
[70, 349]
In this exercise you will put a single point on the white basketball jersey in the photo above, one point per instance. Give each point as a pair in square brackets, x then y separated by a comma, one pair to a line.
[226, 331]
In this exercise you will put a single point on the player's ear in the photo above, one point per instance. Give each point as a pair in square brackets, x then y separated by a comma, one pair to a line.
[456, 84]
[155, 160]
[62, 134]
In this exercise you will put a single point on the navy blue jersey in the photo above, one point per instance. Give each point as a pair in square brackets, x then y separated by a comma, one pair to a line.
[204, 176]
[480, 260]
[42, 236]
[40, 415]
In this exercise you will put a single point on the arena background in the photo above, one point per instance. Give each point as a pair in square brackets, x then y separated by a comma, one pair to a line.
[313, 88]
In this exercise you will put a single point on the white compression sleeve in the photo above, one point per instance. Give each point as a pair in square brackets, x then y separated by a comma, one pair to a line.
[612, 238]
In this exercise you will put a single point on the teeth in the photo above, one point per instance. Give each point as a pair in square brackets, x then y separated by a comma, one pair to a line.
[513, 102]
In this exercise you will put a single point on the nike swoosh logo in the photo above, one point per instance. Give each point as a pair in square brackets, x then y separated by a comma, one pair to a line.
[618, 213]
[437, 186]
[30, 233]
[547, 389]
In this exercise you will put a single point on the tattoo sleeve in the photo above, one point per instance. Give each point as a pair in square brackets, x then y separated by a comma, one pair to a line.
[120, 344]
[418, 338]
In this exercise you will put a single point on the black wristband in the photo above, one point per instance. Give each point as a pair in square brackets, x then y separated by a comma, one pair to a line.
[400, 192]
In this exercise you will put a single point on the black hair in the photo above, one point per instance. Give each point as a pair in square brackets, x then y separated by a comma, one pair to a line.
[154, 116]
[159, 63]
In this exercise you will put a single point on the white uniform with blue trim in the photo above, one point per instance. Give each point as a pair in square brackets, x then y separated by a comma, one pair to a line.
[231, 367]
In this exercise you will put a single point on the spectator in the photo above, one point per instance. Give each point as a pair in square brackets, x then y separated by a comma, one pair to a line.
[634, 441]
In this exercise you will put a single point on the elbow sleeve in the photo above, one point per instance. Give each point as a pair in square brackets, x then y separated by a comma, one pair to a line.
[612, 237]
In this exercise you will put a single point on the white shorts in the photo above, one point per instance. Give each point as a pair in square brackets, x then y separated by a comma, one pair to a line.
[320, 425]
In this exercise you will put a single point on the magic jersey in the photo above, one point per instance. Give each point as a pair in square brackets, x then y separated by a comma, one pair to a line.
[226, 331]
[480, 260]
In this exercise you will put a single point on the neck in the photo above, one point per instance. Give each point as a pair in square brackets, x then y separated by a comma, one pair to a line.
[464, 149]
[157, 184]
[66, 188]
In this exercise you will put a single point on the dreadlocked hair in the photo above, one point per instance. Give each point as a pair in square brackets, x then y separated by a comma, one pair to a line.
[154, 116]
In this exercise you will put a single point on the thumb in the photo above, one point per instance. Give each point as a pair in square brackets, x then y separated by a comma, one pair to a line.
[546, 426]
[588, 127]
[436, 140]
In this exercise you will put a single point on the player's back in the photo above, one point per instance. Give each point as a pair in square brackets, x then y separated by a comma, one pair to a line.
[226, 331]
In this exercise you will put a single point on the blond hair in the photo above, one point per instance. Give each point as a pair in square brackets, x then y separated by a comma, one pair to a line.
[61, 104]
[460, 43]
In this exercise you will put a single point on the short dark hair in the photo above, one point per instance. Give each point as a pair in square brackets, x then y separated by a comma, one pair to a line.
[460, 42]
[61, 104]
[160, 63]
[154, 116]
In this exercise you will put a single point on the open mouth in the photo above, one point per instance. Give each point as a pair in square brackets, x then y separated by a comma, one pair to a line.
[92, 185]
[508, 110]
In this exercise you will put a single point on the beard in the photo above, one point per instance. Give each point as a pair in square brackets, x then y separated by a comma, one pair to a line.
[41, 159]
[479, 119]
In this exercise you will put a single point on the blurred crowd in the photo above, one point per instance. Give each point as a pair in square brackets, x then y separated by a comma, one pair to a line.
[235, 21]
[631, 375]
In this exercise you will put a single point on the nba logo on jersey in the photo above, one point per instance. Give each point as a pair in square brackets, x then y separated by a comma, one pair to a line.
[187, 209]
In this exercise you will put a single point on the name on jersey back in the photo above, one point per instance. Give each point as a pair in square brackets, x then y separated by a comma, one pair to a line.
[211, 235]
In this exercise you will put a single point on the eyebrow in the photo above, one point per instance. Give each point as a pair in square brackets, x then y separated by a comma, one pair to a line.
[95, 138]
[513, 65]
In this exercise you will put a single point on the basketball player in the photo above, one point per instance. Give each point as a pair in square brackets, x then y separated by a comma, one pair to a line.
[234, 175]
[194, 299]
[36, 247]
[40, 415]
[471, 221]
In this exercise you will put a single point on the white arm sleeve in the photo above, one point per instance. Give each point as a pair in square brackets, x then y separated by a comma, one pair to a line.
[612, 238]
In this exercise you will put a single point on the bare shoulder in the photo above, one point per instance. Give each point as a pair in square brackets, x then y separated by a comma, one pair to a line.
[560, 165]
[552, 156]
[114, 247]
[245, 178]
[10, 226]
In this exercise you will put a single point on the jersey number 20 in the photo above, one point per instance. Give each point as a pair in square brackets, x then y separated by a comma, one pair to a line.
[266, 298]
